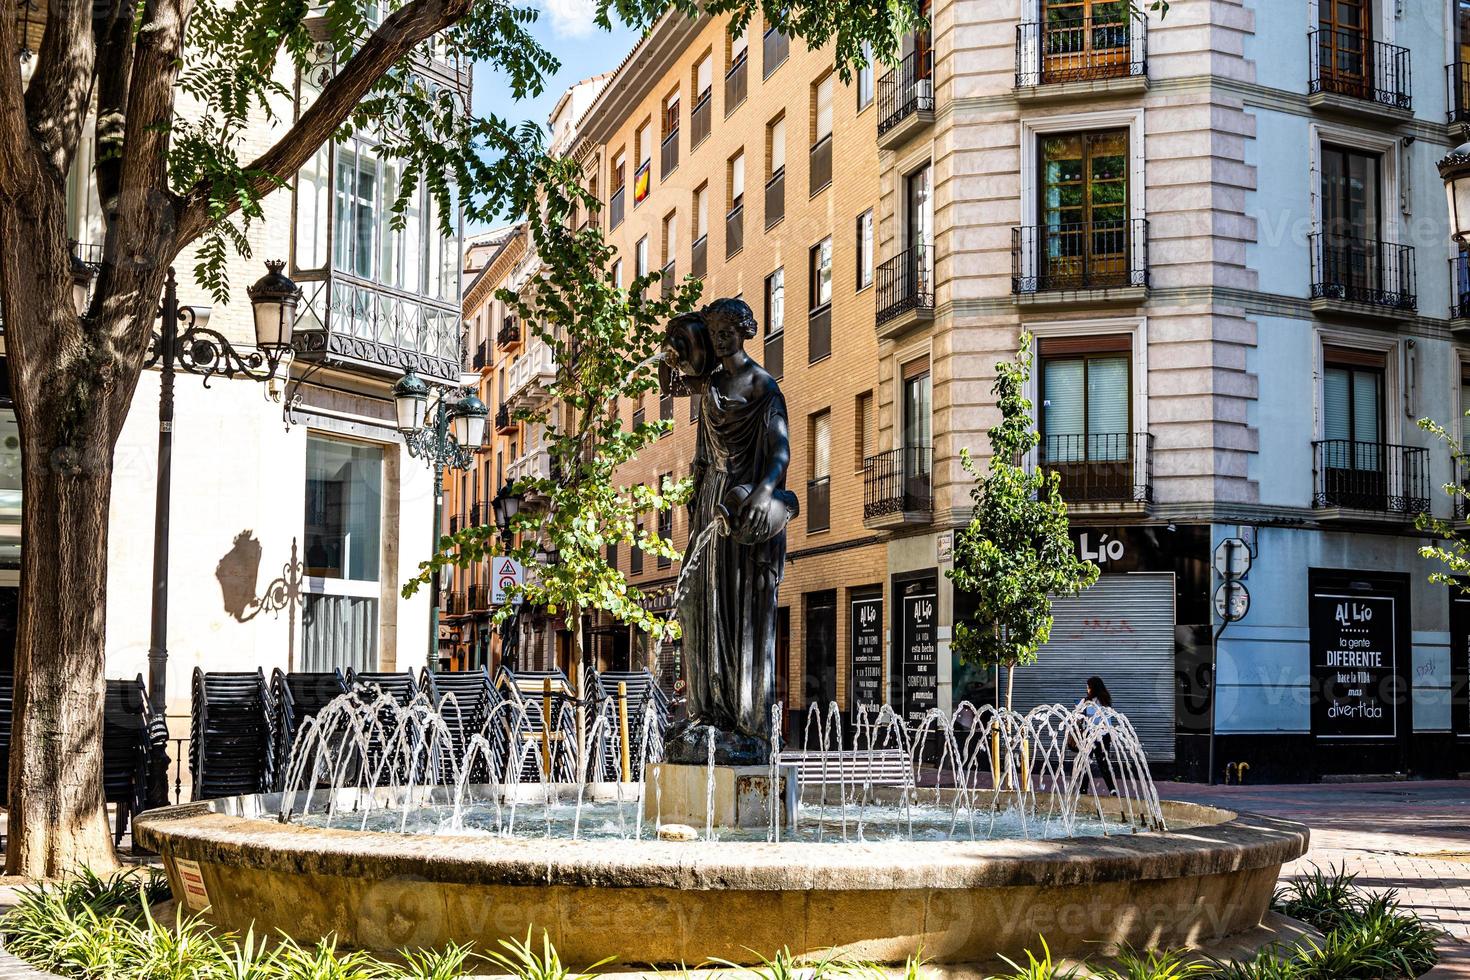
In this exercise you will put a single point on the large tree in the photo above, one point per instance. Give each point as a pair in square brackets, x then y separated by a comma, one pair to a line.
[168, 179]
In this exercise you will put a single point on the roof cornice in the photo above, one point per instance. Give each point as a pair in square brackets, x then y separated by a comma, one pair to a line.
[649, 61]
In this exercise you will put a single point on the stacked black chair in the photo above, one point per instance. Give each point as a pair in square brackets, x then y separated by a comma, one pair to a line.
[536, 691]
[233, 747]
[127, 748]
[298, 697]
[468, 714]
[369, 686]
[644, 697]
[7, 713]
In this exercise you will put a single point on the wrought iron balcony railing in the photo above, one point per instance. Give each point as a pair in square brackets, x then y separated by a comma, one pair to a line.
[481, 357]
[776, 47]
[454, 603]
[479, 598]
[1370, 476]
[776, 198]
[1363, 270]
[898, 481]
[504, 424]
[1101, 467]
[1086, 255]
[1460, 286]
[699, 119]
[1084, 50]
[735, 82]
[669, 153]
[906, 282]
[1457, 91]
[1345, 62]
[907, 89]
[509, 334]
[819, 504]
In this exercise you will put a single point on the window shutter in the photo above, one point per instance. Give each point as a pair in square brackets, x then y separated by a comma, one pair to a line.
[1107, 408]
[822, 446]
[1062, 411]
[1367, 409]
[1336, 423]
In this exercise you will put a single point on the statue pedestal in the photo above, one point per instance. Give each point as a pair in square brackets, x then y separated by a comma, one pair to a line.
[743, 795]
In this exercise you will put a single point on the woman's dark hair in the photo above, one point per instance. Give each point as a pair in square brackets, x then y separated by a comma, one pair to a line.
[1099, 691]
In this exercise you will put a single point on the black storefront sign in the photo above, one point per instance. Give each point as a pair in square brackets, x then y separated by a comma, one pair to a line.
[1356, 680]
[918, 648]
[866, 669]
[1459, 662]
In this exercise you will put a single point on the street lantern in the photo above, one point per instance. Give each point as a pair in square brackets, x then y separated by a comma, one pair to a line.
[467, 421]
[81, 283]
[1454, 170]
[411, 399]
[507, 504]
[274, 297]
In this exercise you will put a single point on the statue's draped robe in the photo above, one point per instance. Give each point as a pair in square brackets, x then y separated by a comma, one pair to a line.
[728, 610]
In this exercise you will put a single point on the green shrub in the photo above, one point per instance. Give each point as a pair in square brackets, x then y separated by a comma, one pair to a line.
[1038, 969]
[1153, 965]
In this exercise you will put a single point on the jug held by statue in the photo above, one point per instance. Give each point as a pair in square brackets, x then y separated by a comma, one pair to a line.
[764, 526]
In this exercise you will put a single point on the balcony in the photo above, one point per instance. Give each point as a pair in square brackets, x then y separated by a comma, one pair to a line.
[454, 603]
[699, 119]
[905, 291]
[615, 208]
[509, 334]
[699, 257]
[820, 172]
[906, 100]
[735, 84]
[776, 198]
[734, 230]
[898, 488]
[1457, 91]
[1082, 59]
[1361, 277]
[1369, 481]
[355, 324]
[1354, 75]
[504, 423]
[534, 464]
[482, 356]
[531, 378]
[669, 153]
[819, 333]
[1101, 472]
[818, 504]
[1460, 295]
[1088, 263]
[479, 599]
[776, 47]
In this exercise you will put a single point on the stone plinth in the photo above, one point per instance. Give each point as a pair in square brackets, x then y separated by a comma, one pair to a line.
[742, 795]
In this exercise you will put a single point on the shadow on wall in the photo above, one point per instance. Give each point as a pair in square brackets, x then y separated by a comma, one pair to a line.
[238, 571]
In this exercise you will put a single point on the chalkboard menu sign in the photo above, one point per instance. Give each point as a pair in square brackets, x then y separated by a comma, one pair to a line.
[1354, 665]
[920, 654]
[867, 651]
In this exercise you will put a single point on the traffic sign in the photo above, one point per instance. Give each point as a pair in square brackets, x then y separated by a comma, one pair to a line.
[1232, 601]
[1232, 558]
[506, 575]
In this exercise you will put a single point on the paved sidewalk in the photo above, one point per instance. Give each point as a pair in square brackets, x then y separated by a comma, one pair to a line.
[1413, 837]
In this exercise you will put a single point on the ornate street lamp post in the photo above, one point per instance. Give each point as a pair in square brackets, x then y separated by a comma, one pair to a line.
[506, 505]
[201, 351]
[446, 434]
[1454, 170]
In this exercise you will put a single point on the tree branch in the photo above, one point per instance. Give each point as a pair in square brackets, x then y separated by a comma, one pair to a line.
[15, 160]
[396, 38]
[61, 89]
[114, 40]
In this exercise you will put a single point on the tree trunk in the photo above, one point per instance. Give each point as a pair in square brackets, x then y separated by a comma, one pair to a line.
[70, 399]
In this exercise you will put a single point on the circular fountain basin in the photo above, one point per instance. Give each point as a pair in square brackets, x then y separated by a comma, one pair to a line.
[667, 902]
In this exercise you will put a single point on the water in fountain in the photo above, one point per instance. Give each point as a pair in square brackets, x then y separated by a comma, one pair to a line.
[367, 762]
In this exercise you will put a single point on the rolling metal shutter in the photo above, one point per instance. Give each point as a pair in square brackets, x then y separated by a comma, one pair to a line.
[1122, 630]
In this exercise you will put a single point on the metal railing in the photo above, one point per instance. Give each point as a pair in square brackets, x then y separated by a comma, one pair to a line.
[1085, 255]
[776, 198]
[735, 83]
[481, 356]
[699, 119]
[615, 207]
[735, 230]
[898, 481]
[907, 89]
[1462, 480]
[819, 504]
[906, 282]
[668, 156]
[1085, 50]
[503, 422]
[1346, 62]
[1373, 476]
[775, 48]
[1457, 91]
[455, 603]
[819, 333]
[821, 164]
[1363, 270]
[508, 334]
[479, 598]
[1460, 286]
[1101, 467]
[699, 256]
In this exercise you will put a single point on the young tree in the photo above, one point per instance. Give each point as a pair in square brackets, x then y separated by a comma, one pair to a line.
[168, 179]
[1015, 554]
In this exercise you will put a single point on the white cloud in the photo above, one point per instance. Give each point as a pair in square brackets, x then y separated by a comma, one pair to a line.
[572, 18]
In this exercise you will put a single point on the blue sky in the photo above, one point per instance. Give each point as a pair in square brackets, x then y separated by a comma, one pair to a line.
[565, 28]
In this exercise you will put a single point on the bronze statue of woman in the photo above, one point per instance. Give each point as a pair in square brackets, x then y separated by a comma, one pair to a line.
[728, 609]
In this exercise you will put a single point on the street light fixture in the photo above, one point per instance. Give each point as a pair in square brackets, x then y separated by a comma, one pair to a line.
[506, 505]
[1454, 170]
[274, 297]
[446, 434]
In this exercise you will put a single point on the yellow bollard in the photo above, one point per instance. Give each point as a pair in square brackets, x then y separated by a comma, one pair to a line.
[1026, 765]
[995, 759]
[623, 730]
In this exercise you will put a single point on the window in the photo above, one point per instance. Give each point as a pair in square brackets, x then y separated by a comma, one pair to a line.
[703, 78]
[1344, 44]
[819, 482]
[865, 249]
[775, 319]
[670, 116]
[821, 274]
[343, 543]
[916, 430]
[665, 521]
[357, 198]
[617, 273]
[635, 553]
[1355, 466]
[819, 171]
[1352, 399]
[865, 78]
[735, 76]
[865, 429]
[822, 109]
[699, 116]
[739, 47]
[1084, 208]
[701, 211]
[737, 180]
[1086, 399]
[735, 217]
[670, 249]
[640, 258]
[643, 178]
[619, 178]
[776, 146]
[821, 443]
